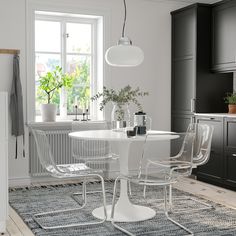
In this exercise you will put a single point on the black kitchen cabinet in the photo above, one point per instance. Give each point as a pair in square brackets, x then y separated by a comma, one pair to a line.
[200, 42]
[194, 87]
[230, 152]
[224, 36]
[213, 170]
[230, 167]
[220, 169]
[180, 123]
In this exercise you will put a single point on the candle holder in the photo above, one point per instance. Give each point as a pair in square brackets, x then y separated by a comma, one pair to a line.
[87, 114]
[84, 119]
[76, 113]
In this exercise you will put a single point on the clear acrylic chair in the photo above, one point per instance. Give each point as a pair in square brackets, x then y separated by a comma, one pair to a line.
[201, 155]
[96, 154]
[77, 170]
[148, 174]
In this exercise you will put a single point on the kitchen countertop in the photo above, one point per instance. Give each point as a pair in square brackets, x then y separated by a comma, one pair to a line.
[216, 114]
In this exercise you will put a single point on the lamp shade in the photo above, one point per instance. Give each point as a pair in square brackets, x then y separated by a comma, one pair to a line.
[124, 55]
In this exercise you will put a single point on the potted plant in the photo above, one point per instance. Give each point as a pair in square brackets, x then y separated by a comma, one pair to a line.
[49, 84]
[120, 116]
[230, 99]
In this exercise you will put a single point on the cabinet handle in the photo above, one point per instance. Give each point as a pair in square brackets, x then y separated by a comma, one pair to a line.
[192, 105]
[210, 118]
[234, 155]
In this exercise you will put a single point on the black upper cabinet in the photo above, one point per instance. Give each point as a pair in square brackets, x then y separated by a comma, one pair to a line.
[184, 24]
[194, 87]
[224, 36]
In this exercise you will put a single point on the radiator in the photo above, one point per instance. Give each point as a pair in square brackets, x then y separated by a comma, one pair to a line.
[61, 146]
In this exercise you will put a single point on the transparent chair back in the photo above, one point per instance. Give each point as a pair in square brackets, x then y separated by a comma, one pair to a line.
[173, 152]
[95, 153]
[202, 144]
[74, 170]
[44, 152]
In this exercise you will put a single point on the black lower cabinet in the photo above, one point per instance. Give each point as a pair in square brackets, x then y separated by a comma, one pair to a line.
[230, 169]
[213, 171]
[230, 152]
[221, 167]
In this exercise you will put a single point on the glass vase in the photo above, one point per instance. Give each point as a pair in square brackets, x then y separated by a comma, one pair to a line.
[120, 117]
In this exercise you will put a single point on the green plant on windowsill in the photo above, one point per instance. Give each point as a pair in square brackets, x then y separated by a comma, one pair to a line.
[230, 99]
[124, 96]
[49, 84]
[52, 81]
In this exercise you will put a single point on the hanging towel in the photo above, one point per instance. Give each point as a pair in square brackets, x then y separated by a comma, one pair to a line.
[16, 104]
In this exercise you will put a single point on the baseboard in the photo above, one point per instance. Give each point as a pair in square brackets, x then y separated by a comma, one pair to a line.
[19, 181]
[44, 179]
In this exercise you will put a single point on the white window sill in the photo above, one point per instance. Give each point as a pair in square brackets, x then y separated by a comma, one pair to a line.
[64, 123]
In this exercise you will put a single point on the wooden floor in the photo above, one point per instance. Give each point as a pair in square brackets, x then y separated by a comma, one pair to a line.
[16, 227]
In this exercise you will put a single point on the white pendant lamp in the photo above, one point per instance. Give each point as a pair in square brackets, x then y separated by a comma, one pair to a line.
[124, 54]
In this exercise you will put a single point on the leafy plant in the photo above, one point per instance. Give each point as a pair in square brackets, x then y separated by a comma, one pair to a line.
[230, 98]
[52, 81]
[81, 87]
[121, 97]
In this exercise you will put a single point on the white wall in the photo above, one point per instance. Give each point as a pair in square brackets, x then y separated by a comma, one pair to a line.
[148, 25]
[12, 25]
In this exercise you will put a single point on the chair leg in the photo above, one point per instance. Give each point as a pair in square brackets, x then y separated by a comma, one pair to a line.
[45, 214]
[190, 233]
[207, 206]
[146, 176]
[84, 194]
[170, 198]
[113, 209]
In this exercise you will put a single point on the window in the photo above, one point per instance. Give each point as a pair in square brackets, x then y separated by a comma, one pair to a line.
[71, 42]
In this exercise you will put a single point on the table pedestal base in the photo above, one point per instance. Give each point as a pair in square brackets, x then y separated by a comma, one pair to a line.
[131, 213]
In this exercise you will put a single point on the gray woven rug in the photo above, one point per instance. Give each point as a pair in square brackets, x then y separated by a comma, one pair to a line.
[29, 201]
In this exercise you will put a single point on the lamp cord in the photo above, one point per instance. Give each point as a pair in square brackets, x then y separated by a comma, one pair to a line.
[123, 29]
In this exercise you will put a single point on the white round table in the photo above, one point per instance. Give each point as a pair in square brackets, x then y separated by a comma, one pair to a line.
[125, 211]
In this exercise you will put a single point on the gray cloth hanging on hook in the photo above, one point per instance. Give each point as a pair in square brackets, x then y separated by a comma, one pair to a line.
[16, 104]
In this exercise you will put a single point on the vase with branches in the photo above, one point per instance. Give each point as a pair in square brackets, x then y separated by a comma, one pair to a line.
[121, 99]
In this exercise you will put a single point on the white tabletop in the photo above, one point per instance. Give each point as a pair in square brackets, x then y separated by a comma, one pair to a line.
[116, 136]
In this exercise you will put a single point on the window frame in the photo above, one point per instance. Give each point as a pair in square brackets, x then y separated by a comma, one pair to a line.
[102, 14]
[63, 21]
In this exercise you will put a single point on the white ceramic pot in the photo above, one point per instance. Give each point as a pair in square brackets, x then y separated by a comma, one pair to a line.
[48, 112]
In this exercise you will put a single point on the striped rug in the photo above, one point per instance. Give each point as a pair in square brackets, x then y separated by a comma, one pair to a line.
[220, 221]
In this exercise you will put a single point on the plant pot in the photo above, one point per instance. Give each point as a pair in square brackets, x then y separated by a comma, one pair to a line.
[120, 117]
[48, 112]
[232, 108]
